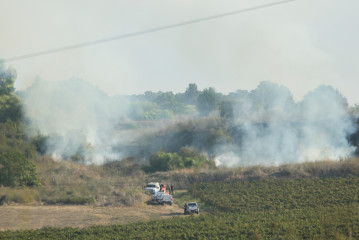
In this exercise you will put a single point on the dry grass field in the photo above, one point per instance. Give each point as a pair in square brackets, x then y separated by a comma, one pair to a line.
[14, 217]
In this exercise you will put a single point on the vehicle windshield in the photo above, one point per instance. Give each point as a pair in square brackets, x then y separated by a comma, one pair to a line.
[151, 185]
[192, 204]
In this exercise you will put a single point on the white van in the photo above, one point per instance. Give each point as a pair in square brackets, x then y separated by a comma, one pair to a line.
[152, 187]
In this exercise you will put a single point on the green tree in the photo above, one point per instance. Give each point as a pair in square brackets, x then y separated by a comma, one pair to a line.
[10, 107]
[162, 161]
[191, 94]
[7, 80]
[149, 96]
[12, 138]
[226, 110]
[167, 100]
[16, 170]
[207, 101]
[144, 110]
[186, 158]
[192, 158]
[270, 95]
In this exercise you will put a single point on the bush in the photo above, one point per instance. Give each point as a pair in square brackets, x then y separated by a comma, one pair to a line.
[13, 139]
[18, 195]
[16, 170]
[72, 200]
[162, 161]
[186, 158]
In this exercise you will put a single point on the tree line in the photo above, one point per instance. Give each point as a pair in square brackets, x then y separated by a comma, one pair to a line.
[192, 102]
[166, 151]
[15, 148]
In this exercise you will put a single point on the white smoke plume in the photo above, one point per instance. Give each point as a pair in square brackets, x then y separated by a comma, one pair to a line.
[270, 128]
[76, 117]
[276, 130]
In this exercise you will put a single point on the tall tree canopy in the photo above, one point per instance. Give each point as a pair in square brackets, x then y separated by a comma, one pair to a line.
[191, 94]
[207, 101]
[10, 107]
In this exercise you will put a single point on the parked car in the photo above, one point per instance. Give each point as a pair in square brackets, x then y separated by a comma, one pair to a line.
[165, 199]
[157, 196]
[191, 207]
[152, 187]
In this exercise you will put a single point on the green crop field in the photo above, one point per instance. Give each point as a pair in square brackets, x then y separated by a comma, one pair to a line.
[268, 209]
[278, 195]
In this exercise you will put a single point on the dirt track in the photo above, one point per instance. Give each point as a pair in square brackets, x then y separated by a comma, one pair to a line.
[34, 217]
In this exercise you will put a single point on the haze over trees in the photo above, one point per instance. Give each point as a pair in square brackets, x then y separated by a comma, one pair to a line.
[75, 121]
[52, 133]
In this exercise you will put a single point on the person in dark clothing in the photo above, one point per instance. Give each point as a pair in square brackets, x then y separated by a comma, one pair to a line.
[171, 189]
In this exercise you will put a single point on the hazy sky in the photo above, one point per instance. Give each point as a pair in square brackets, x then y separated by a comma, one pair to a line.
[301, 44]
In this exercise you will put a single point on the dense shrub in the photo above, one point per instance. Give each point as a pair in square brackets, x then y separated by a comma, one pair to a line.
[16, 170]
[13, 138]
[73, 200]
[18, 195]
[10, 106]
[162, 161]
[186, 158]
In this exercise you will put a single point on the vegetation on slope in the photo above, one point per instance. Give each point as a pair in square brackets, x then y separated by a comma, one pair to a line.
[269, 209]
[186, 158]
[15, 149]
[71, 183]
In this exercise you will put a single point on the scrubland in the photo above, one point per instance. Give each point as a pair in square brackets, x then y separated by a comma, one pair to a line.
[72, 183]
[121, 183]
[318, 200]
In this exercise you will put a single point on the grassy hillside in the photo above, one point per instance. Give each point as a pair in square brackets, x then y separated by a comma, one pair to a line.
[267, 208]
[181, 179]
[71, 183]
[121, 183]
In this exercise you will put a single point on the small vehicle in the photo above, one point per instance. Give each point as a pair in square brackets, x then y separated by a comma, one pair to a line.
[152, 187]
[191, 207]
[165, 199]
[157, 196]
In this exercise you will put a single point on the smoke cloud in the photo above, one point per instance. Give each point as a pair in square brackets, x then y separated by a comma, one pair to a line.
[76, 118]
[276, 130]
[268, 128]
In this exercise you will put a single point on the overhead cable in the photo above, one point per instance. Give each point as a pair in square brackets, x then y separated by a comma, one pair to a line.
[143, 32]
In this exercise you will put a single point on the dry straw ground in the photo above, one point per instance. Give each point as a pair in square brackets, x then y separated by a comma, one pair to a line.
[35, 217]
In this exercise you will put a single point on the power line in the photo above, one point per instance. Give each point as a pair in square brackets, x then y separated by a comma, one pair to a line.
[143, 32]
[73, 186]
